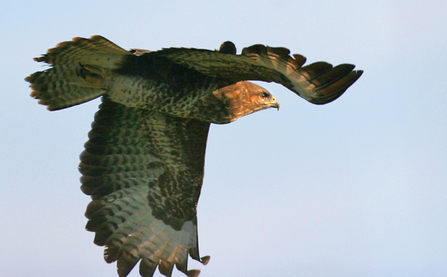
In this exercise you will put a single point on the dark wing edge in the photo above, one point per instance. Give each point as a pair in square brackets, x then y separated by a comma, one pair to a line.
[318, 83]
[124, 178]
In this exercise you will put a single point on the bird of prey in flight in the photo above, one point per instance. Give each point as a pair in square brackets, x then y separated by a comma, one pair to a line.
[143, 164]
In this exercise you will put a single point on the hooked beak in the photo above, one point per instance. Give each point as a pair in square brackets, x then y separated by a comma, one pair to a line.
[275, 103]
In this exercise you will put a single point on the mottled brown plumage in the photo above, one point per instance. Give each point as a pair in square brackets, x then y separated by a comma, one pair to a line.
[143, 163]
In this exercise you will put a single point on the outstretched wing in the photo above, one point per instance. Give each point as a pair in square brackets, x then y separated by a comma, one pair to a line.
[144, 172]
[318, 83]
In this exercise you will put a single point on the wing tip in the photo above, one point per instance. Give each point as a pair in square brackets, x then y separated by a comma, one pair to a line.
[205, 259]
[193, 273]
[336, 89]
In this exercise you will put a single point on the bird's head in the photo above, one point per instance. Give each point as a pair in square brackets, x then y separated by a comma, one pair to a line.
[244, 98]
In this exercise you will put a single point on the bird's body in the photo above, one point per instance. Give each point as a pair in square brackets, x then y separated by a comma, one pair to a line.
[144, 162]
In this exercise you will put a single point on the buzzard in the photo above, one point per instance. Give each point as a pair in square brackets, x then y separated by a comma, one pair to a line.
[143, 164]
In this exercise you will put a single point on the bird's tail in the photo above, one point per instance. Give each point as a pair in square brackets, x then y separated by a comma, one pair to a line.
[79, 68]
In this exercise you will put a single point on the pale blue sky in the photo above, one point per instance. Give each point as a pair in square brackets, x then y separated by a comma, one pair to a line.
[357, 187]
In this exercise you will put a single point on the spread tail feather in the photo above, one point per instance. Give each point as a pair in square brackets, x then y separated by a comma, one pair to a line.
[78, 71]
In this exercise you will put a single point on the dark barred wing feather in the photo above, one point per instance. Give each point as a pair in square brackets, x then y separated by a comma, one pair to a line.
[144, 172]
[318, 83]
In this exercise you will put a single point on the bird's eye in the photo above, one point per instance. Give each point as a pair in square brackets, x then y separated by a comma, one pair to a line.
[265, 94]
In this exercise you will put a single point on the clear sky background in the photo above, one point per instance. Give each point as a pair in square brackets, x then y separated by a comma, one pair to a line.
[357, 187]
